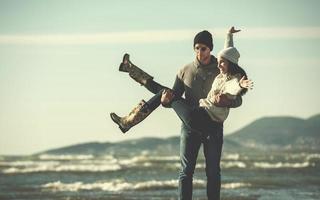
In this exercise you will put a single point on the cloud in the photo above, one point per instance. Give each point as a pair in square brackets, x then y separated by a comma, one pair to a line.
[282, 33]
[157, 36]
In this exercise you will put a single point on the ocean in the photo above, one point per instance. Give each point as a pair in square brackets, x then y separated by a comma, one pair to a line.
[245, 175]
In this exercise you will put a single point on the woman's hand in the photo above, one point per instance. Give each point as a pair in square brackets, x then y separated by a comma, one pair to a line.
[245, 83]
[233, 30]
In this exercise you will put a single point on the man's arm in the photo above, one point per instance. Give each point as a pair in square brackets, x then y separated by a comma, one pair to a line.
[236, 102]
[168, 95]
[178, 87]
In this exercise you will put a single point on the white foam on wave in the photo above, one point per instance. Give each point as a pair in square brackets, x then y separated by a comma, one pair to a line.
[303, 156]
[113, 186]
[101, 161]
[233, 164]
[235, 185]
[120, 185]
[27, 163]
[53, 167]
[145, 160]
[134, 160]
[77, 164]
[312, 156]
[231, 156]
[224, 165]
[65, 157]
[267, 165]
[62, 163]
[165, 158]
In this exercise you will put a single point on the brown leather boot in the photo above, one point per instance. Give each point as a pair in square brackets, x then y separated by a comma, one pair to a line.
[138, 114]
[135, 72]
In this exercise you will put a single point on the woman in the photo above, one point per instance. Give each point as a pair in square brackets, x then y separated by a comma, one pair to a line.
[231, 81]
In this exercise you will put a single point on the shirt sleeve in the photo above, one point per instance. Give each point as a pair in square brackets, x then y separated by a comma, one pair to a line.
[233, 87]
[178, 87]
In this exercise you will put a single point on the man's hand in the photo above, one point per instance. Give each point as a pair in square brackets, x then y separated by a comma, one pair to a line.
[166, 98]
[221, 100]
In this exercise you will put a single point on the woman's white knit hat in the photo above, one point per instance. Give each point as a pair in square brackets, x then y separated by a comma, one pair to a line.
[231, 54]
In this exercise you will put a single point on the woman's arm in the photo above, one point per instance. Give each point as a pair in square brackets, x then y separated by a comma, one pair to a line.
[233, 87]
[229, 39]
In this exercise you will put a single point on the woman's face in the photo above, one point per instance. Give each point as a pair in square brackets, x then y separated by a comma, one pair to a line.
[202, 53]
[223, 65]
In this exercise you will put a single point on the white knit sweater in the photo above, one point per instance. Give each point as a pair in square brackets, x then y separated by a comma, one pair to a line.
[223, 84]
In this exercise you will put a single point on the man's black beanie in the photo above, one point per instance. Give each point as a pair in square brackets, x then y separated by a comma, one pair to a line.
[203, 37]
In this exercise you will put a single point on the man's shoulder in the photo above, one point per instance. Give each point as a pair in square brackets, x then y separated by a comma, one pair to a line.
[186, 69]
[187, 66]
[214, 60]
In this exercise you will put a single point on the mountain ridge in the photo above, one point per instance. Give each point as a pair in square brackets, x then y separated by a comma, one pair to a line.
[289, 133]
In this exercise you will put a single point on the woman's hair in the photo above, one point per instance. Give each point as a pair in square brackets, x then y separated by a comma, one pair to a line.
[236, 70]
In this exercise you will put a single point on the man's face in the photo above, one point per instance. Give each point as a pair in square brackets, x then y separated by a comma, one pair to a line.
[223, 65]
[202, 53]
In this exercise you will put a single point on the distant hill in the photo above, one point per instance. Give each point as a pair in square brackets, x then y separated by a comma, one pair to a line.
[280, 132]
[286, 133]
[121, 148]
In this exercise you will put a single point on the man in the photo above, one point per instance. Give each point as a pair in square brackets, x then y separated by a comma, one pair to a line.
[194, 81]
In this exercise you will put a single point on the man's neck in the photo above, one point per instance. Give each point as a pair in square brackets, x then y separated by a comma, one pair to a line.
[205, 62]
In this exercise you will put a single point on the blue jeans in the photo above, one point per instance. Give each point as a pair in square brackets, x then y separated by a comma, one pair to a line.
[190, 143]
[197, 128]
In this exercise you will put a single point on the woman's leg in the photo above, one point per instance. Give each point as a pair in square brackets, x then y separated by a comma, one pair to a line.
[135, 72]
[188, 114]
[195, 118]
[153, 86]
[140, 75]
[138, 114]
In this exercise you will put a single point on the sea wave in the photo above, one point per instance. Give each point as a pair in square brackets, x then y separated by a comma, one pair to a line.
[225, 165]
[63, 168]
[233, 164]
[267, 165]
[302, 156]
[65, 157]
[235, 185]
[312, 156]
[232, 156]
[76, 164]
[121, 185]
[27, 163]
[147, 158]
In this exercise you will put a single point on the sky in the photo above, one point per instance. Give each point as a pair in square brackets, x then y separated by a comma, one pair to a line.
[59, 77]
